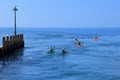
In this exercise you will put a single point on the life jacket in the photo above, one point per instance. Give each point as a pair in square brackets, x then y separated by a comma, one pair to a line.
[79, 44]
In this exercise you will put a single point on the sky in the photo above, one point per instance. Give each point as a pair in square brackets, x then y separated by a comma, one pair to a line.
[61, 13]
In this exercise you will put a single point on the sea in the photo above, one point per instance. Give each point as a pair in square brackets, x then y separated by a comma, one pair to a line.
[93, 60]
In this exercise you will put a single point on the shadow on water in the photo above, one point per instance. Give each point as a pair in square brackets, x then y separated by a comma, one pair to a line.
[14, 56]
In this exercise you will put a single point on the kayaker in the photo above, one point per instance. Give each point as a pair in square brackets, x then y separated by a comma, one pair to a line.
[63, 51]
[96, 38]
[79, 43]
[51, 49]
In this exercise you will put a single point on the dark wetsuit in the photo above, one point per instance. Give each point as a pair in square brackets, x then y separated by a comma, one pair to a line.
[63, 51]
[51, 50]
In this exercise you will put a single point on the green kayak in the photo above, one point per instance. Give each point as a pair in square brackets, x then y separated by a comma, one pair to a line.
[50, 52]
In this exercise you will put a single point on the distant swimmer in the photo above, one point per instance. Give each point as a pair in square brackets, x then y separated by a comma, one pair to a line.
[75, 40]
[96, 38]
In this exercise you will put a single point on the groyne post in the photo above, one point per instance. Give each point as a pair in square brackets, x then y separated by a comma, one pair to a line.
[11, 43]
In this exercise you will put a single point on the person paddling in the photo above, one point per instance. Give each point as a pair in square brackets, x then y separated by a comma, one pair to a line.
[64, 51]
[79, 43]
[96, 38]
[51, 50]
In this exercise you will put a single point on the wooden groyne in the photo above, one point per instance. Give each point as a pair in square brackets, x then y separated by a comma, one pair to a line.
[11, 43]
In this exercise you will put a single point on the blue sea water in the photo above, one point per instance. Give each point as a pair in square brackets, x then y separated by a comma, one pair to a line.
[94, 60]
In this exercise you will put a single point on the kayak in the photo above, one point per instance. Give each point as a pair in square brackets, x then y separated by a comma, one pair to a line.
[50, 52]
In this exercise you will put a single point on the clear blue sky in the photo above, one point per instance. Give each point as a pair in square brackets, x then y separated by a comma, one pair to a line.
[61, 13]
